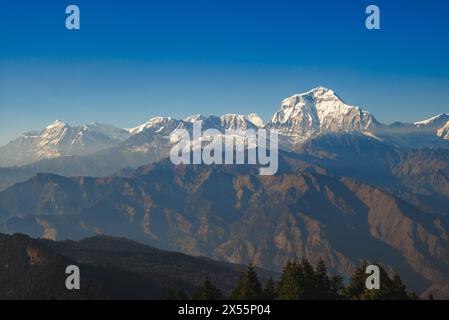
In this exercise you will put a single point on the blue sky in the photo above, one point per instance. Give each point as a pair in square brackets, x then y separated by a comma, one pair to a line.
[132, 60]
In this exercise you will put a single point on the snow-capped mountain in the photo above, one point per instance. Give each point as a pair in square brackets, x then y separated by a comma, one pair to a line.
[161, 125]
[434, 122]
[319, 111]
[234, 121]
[255, 119]
[155, 134]
[301, 117]
[231, 121]
[428, 133]
[165, 125]
[60, 139]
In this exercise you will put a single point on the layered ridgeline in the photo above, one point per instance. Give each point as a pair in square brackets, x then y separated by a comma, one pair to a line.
[348, 188]
[100, 150]
[385, 205]
[111, 268]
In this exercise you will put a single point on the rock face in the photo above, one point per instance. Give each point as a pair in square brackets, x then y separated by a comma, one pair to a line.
[60, 139]
[233, 214]
[443, 132]
[317, 112]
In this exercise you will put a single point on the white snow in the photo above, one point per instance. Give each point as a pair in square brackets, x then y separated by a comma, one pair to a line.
[317, 111]
[431, 120]
[151, 123]
[255, 119]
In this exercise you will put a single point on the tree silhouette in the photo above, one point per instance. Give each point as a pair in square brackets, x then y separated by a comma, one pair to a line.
[390, 288]
[269, 291]
[207, 291]
[248, 287]
[303, 281]
[288, 285]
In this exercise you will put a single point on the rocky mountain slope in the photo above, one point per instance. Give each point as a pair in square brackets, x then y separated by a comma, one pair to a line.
[110, 268]
[233, 214]
[319, 111]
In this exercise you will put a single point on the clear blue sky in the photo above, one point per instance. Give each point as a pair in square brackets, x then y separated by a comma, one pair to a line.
[133, 59]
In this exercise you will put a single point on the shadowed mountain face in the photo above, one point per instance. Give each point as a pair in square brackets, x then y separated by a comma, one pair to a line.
[389, 205]
[110, 268]
[32, 270]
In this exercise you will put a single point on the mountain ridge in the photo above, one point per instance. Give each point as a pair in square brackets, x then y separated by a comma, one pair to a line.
[110, 268]
[301, 117]
[309, 209]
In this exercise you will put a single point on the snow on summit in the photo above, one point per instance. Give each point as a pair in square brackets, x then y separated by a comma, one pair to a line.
[301, 117]
[437, 120]
[317, 111]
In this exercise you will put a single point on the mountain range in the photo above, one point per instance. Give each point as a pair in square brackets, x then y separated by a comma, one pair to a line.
[101, 150]
[348, 188]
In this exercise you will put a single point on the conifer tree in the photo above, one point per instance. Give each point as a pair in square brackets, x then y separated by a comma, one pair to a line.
[248, 287]
[356, 287]
[207, 291]
[390, 288]
[269, 291]
[303, 281]
[288, 284]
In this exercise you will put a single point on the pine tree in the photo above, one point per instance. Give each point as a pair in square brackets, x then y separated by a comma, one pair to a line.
[356, 287]
[336, 287]
[207, 291]
[269, 291]
[303, 281]
[248, 287]
[288, 284]
[322, 282]
[390, 288]
[308, 286]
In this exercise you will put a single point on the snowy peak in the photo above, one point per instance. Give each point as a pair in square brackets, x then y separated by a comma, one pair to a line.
[104, 129]
[54, 133]
[154, 124]
[301, 117]
[318, 111]
[230, 121]
[60, 133]
[438, 121]
[255, 119]
[160, 128]
[61, 139]
[56, 125]
[234, 121]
